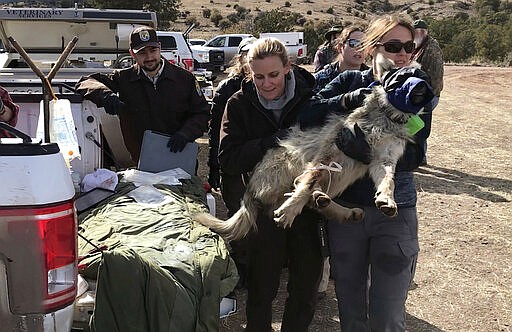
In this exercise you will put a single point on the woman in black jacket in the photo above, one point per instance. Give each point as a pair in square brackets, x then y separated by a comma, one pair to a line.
[255, 118]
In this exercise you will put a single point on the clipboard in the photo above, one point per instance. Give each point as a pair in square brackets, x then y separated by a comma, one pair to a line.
[155, 155]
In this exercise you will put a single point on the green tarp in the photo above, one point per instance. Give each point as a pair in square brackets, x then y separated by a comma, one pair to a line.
[161, 271]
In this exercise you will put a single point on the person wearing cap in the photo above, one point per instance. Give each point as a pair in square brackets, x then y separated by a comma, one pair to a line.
[326, 52]
[428, 53]
[350, 57]
[225, 89]
[151, 94]
[232, 186]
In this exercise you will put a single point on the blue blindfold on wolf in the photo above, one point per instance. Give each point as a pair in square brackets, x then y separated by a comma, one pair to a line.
[408, 89]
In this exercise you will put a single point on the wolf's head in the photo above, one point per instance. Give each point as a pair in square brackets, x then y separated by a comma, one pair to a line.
[408, 88]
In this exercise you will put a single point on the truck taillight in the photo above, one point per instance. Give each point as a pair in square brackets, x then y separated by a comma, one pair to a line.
[189, 64]
[54, 229]
[57, 230]
[44, 269]
[300, 52]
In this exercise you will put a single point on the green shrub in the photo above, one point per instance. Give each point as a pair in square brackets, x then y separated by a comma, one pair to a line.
[215, 17]
[224, 24]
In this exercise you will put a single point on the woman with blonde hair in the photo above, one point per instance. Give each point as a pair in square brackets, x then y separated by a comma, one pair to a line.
[254, 120]
[373, 261]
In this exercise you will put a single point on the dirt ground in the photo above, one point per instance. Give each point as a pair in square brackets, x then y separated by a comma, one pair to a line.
[464, 272]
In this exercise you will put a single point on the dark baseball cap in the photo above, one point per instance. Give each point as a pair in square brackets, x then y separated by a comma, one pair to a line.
[143, 37]
[420, 24]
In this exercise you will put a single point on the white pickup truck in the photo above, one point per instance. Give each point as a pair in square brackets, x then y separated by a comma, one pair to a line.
[38, 220]
[216, 54]
[294, 42]
[38, 239]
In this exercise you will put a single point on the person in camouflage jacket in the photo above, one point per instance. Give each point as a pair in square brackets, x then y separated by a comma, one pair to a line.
[428, 53]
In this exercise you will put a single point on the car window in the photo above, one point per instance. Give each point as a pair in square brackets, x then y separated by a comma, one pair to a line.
[217, 42]
[196, 42]
[234, 41]
[168, 42]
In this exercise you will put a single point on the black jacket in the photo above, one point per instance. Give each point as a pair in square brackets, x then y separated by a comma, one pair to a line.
[175, 104]
[246, 124]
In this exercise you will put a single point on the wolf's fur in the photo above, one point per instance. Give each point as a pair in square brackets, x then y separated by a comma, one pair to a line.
[299, 162]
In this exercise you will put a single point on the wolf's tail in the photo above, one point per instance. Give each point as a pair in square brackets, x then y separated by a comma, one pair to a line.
[236, 227]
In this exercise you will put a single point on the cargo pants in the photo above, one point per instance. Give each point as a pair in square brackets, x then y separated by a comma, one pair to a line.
[373, 263]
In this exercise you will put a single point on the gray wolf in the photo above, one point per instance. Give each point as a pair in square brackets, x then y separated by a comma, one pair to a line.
[307, 169]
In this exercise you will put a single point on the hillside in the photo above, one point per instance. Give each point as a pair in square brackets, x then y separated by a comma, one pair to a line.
[317, 11]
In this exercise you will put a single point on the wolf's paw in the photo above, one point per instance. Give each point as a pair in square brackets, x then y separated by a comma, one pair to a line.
[285, 215]
[386, 205]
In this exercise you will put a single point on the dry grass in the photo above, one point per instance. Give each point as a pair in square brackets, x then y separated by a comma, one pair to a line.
[464, 272]
[318, 9]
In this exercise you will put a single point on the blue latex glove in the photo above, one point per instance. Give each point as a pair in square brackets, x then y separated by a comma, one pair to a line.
[354, 146]
[112, 104]
[177, 142]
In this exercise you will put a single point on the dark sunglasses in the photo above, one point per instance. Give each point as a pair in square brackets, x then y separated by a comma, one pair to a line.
[396, 46]
[353, 43]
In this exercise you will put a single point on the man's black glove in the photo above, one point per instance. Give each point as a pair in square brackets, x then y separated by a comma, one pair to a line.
[112, 104]
[214, 178]
[354, 146]
[273, 140]
[177, 142]
[355, 99]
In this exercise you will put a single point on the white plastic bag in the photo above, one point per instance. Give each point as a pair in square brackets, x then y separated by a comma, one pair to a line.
[62, 127]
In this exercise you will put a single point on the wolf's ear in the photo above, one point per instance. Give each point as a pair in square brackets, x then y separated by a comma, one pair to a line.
[383, 65]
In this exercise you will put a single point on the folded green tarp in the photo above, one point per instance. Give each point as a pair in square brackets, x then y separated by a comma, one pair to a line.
[161, 270]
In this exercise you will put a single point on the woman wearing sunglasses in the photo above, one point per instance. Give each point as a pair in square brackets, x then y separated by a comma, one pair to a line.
[350, 56]
[373, 261]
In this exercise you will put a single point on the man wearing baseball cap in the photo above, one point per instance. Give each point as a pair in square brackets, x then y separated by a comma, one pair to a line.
[151, 94]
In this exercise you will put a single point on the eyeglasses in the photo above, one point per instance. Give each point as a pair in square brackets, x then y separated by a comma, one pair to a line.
[353, 43]
[396, 46]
